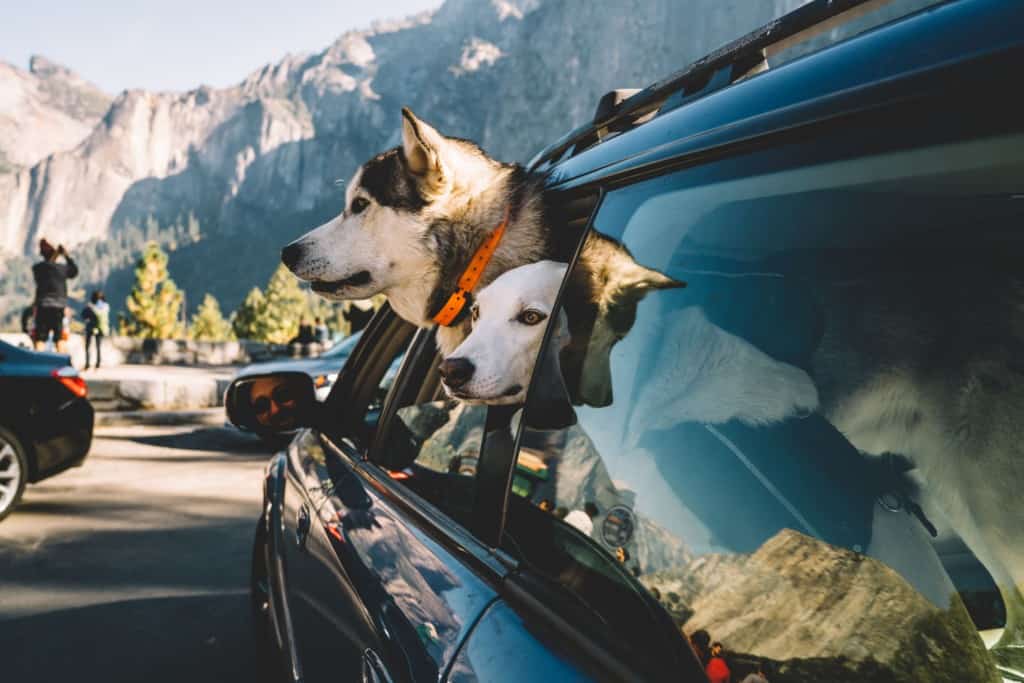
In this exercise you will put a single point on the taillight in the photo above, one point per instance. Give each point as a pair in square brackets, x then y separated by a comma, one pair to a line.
[71, 380]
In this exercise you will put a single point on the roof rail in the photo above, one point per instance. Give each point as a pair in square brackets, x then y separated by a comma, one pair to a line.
[619, 110]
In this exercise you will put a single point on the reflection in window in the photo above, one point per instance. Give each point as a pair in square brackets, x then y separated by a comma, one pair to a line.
[812, 453]
[434, 447]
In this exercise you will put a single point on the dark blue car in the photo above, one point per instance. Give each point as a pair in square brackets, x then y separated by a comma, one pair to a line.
[805, 464]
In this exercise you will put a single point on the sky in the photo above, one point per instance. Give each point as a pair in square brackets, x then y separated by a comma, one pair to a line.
[180, 44]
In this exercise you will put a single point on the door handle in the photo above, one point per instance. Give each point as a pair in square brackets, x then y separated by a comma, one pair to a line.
[374, 670]
[302, 527]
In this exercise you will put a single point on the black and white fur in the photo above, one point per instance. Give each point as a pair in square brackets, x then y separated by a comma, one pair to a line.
[413, 218]
[415, 215]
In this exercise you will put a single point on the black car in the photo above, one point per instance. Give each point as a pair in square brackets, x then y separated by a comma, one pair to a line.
[45, 420]
[807, 461]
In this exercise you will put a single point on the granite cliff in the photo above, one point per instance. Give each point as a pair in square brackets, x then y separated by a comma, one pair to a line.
[257, 162]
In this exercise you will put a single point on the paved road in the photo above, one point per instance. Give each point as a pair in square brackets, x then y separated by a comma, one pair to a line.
[134, 567]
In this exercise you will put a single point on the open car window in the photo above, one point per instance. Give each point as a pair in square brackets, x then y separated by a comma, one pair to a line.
[441, 449]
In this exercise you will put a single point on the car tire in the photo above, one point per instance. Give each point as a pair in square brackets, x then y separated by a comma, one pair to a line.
[13, 471]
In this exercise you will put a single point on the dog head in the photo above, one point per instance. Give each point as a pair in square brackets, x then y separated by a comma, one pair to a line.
[494, 363]
[381, 241]
[602, 301]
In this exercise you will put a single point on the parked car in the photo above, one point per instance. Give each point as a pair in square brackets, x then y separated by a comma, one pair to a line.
[797, 454]
[46, 420]
[323, 369]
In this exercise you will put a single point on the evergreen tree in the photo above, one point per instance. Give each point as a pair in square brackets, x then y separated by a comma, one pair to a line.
[154, 304]
[286, 303]
[208, 323]
[247, 320]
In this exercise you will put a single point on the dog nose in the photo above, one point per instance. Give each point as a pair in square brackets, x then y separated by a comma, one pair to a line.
[456, 371]
[291, 254]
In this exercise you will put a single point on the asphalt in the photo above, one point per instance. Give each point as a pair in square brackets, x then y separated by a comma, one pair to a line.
[135, 566]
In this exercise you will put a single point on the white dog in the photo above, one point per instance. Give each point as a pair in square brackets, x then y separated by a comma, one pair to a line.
[494, 363]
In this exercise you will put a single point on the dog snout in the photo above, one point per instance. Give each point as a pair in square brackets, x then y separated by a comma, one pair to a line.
[291, 255]
[456, 371]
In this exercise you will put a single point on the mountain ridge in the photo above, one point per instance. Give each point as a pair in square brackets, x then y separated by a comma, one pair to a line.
[258, 162]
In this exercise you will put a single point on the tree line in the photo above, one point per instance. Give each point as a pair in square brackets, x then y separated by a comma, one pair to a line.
[153, 308]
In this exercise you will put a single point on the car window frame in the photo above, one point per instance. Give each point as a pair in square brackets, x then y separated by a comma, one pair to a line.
[358, 378]
[419, 364]
[345, 407]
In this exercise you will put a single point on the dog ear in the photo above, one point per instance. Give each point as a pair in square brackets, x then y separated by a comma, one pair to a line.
[631, 281]
[421, 145]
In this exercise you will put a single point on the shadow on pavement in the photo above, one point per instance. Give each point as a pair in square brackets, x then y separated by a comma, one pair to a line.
[201, 439]
[157, 640]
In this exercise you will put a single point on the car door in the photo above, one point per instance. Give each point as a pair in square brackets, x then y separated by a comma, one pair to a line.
[788, 456]
[371, 594]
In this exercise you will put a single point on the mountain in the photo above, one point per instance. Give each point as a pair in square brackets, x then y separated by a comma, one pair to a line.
[823, 613]
[44, 110]
[255, 164]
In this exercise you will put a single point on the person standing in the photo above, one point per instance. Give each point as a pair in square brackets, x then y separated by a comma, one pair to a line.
[717, 670]
[97, 324]
[52, 293]
[320, 331]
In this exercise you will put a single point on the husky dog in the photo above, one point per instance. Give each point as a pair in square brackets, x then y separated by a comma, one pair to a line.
[416, 214]
[413, 218]
[944, 387]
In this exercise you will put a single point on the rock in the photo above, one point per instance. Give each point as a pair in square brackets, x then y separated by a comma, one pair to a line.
[823, 613]
[44, 110]
[260, 158]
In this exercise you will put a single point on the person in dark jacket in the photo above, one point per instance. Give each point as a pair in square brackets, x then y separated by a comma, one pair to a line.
[305, 335]
[701, 642]
[52, 293]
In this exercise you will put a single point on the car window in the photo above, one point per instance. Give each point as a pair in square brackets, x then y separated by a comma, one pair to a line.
[343, 348]
[811, 452]
[433, 444]
[356, 399]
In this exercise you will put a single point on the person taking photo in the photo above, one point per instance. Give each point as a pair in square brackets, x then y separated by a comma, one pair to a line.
[51, 294]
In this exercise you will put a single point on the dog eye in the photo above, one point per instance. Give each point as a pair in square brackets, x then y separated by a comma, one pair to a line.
[530, 317]
[359, 204]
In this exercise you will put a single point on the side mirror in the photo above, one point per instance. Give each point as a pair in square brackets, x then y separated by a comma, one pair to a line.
[272, 404]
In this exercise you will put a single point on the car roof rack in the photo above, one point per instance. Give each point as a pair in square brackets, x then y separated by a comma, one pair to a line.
[620, 110]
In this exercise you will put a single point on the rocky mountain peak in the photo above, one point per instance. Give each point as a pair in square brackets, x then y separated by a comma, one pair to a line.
[44, 110]
[262, 157]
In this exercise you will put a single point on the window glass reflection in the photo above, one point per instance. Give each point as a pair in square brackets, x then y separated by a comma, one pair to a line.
[811, 454]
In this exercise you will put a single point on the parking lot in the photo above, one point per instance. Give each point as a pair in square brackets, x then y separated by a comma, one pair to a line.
[134, 567]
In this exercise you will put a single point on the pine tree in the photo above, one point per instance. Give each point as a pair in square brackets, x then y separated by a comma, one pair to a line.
[247, 320]
[286, 304]
[208, 323]
[154, 304]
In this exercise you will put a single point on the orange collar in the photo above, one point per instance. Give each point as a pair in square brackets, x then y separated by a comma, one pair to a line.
[471, 276]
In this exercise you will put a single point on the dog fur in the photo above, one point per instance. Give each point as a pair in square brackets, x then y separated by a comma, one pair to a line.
[943, 387]
[414, 216]
[508, 321]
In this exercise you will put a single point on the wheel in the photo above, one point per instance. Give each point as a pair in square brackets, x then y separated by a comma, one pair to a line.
[13, 471]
